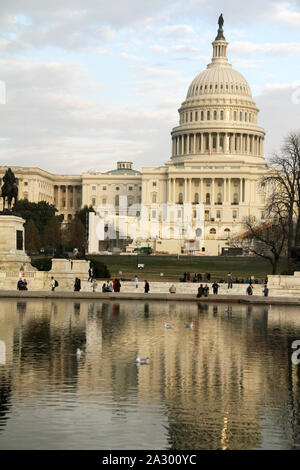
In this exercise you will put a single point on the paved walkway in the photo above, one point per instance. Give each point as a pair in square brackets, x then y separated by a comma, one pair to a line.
[113, 296]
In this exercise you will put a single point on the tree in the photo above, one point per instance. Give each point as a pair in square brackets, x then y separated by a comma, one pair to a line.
[52, 234]
[264, 240]
[283, 182]
[83, 216]
[74, 234]
[32, 237]
[40, 212]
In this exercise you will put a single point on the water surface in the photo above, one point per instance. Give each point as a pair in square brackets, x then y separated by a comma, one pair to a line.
[226, 383]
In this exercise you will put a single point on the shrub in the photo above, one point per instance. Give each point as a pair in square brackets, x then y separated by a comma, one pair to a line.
[100, 269]
[42, 264]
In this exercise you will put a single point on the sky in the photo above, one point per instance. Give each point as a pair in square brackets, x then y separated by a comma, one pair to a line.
[84, 84]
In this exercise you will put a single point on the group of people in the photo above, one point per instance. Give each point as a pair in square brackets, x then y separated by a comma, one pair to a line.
[198, 277]
[22, 284]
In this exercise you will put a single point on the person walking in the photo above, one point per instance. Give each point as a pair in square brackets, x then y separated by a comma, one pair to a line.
[229, 280]
[77, 284]
[200, 290]
[136, 280]
[266, 291]
[215, 288]
[250, 290]
[53, 284]
[91, 275]
[147, 287]
[206, 290]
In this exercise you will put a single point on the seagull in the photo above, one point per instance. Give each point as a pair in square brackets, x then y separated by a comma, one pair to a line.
[141, 360]
[188, 325]
[168, 326]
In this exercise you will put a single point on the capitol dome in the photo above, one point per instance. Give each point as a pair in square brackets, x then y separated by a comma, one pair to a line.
[219, 116]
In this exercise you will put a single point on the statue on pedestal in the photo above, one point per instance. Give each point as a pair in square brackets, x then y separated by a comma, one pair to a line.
[9, 190]
[220, 30]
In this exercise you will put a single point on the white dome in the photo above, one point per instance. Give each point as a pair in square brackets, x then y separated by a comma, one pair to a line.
[219, 79]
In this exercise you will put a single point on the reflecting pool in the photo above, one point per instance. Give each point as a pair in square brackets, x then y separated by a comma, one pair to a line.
[227, 382]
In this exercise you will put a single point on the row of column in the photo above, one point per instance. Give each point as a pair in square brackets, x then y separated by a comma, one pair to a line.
[67, 197]
[206, 143]
[230, 194]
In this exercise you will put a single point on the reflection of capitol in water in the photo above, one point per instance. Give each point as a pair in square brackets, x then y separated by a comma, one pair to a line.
[228, 383]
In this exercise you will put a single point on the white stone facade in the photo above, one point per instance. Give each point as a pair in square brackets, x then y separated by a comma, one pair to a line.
[217, 161]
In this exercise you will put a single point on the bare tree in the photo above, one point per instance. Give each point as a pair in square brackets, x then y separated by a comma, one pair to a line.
[284, 189]
[267, 240]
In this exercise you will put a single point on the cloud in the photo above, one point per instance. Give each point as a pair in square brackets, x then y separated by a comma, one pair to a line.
[157, 49]
[247, 48]
[155, 72]
[178, 30]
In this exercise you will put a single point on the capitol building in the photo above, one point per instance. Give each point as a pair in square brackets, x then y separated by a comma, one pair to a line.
[216, 163]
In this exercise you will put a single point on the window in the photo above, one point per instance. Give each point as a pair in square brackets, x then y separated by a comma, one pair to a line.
[93, 201]
[154, 198]
[196, 198]
[104, 188]
[191, 117]
[93, 188]
[196, 116]
[234, 214]
[25, 183]
[180, 199]
[117, 188]
[218, 214]
[130, 188]
[117, 199]
[215, 115]
[202, 115]
[154, 184]
[208, 115]
[262, 215]
[234, 115]
[235, 198]
[103, 201]
[212, 231]
[207, 198]
[153, 214]
[222, 115]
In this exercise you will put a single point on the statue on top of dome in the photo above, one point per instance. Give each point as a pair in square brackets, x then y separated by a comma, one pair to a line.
[221, 21]
[220, 31]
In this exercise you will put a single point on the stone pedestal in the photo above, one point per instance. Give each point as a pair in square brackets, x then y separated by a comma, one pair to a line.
[12, 244]
[62, 271]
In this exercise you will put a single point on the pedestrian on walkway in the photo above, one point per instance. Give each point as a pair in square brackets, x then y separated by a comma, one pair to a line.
[229, 280]
[206, 290]
[215, 288]
[250, 290]
[266, 291]
[136, 280]
[53, 284]
[200, 290]
[77, 284]
[147, 287]
[94, 285]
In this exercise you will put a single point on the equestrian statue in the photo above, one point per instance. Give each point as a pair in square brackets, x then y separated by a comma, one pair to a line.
[9, 190]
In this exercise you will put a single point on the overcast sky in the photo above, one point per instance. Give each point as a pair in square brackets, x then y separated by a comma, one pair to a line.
[92, 82]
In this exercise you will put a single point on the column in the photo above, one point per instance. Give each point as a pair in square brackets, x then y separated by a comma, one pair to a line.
[201, 191]
[169, 191]
[201, 137]
[213, 192]
[248, 144]
[174, 195]
[185, 190]
[218, 142]
[190, 191]
[195, 143]
[210, 143]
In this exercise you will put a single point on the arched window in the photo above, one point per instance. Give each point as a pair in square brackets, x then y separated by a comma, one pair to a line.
[215, 115]
[208, 115]
[212, 231]
[222, 115]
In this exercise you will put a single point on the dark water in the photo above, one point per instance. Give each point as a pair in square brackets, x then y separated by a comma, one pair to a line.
[227, 383]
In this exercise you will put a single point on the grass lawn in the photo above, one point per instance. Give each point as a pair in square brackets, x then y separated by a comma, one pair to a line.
[173, 268]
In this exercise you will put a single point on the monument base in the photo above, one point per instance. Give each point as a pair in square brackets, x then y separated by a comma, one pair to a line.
[12, 250]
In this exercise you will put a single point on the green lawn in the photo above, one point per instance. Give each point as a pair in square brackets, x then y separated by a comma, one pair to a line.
[173, 268]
